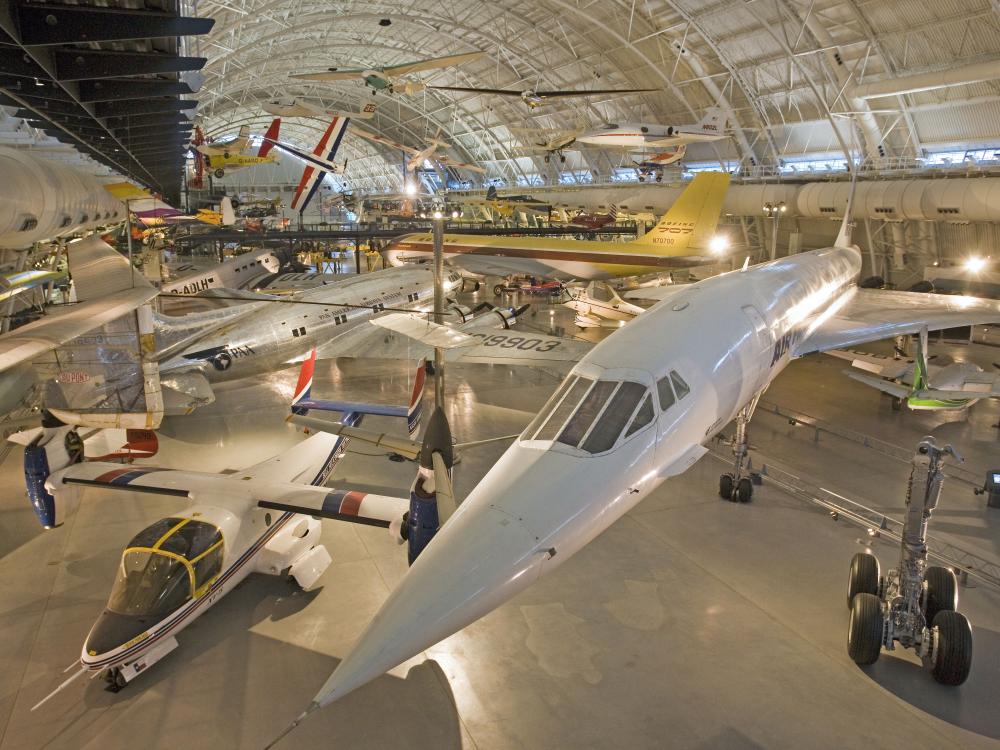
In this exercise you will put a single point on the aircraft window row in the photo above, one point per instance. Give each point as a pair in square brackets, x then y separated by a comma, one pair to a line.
[338, 319]
[671, 388]
[299, 331]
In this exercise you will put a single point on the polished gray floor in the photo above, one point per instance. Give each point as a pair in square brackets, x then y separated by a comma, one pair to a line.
[692, 623]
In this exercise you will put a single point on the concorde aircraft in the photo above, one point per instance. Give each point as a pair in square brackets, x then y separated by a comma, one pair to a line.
[639, 408]
[262, 519]
[684, 237]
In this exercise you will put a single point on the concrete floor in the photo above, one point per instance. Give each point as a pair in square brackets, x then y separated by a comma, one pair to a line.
[692, 623]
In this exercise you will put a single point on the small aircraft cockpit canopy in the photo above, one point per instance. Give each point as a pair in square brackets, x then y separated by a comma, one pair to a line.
[592, 415]
[166, 565]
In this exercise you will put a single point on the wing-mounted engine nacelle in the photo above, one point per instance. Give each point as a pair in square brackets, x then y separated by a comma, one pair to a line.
[463, 313]
[49, 449]
[488, 316]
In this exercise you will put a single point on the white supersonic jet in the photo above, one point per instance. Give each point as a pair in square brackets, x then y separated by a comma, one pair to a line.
[639, 408]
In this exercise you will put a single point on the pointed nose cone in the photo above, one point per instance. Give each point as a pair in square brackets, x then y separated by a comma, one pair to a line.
[479, 560]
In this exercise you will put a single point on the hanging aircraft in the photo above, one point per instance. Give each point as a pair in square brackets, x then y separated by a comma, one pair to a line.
[297, 107]
[229, 155]
[263, 519]
[671, 140]
[319, 163]
[417, 156]
[391, 78]
[638, 408]
[534, 98]
[684, 237]
[918, 383]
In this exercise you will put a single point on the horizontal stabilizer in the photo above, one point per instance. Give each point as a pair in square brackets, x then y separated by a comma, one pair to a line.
[403, 446]
[886, 386]
[425, 331]
[885, 367]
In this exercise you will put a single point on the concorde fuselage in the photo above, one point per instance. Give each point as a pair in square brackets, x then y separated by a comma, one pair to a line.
[727, 337]
[275, 334]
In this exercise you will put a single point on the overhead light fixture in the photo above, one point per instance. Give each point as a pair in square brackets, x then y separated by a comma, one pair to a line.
[438, 215]
[975, 264]
[410, 188]
[454, 214]
[718, 244]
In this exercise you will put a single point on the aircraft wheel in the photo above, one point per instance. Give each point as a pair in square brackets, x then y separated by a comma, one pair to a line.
[940, 592]
[562, 159]
[225, 154]
[726, 486]
[953, 659]
[744, 490]
[659, 178]
[547, 158]
[864, 576]
[864, 636]
[498, 290]
[219, 173]
[641, 178]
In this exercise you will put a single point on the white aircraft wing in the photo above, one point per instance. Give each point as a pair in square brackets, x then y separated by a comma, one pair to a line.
[657, 293]
[873, 314]
[375, 138]
[433, 64]
[884, 367]
[107, 287]
[449, 162]
[342, 505]
[515, 346]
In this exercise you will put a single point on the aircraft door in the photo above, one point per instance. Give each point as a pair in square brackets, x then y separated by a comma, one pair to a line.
[757, 359]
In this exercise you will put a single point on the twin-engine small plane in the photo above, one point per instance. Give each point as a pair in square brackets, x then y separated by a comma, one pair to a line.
[263, 519]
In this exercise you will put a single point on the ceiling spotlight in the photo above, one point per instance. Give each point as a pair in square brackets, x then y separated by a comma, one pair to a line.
[384, 22]
[410, 188]
[438, 215]
[454, 214]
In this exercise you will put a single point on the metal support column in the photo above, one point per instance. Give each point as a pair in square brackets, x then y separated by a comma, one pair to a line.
[438, 234]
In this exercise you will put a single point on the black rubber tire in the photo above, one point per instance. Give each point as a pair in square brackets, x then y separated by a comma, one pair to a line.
[864, 635]
[864, 576]
[498, 290]
[941, 592]
[220, 173]
[744, 490]
[954, 652]
[726, 486]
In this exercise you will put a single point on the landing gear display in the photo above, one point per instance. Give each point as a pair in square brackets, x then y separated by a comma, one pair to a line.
[737, 485]
[914, 604]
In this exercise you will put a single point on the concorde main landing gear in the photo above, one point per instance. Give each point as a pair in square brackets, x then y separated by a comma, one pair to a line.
[914, 604]
[737, 485]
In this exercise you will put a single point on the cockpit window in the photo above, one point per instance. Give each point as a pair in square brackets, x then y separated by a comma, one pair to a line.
[560, 412]
[614, 418]
[642, 417]
[149, 583]
[610, 126]
[577, 427]
[165, 565]
[666, 393]
[680, 387]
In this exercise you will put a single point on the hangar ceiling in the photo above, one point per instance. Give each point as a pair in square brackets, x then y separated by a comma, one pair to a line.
[796, 77]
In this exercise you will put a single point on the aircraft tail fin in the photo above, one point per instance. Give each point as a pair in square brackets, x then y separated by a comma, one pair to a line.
[714, 121]
[303, 402]
[226, 209]
[691, 222]
[270, 137]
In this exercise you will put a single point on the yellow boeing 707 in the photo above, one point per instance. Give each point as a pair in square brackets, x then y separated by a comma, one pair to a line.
[684, 237]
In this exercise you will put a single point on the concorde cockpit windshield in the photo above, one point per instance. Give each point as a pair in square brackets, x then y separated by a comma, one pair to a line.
[165, 565]
[591, 415]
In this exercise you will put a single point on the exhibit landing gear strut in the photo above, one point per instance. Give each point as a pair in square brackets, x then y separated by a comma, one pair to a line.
[915, 603]
[737, 485]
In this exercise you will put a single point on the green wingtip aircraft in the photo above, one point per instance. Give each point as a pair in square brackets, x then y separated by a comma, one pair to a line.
[919, 384]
